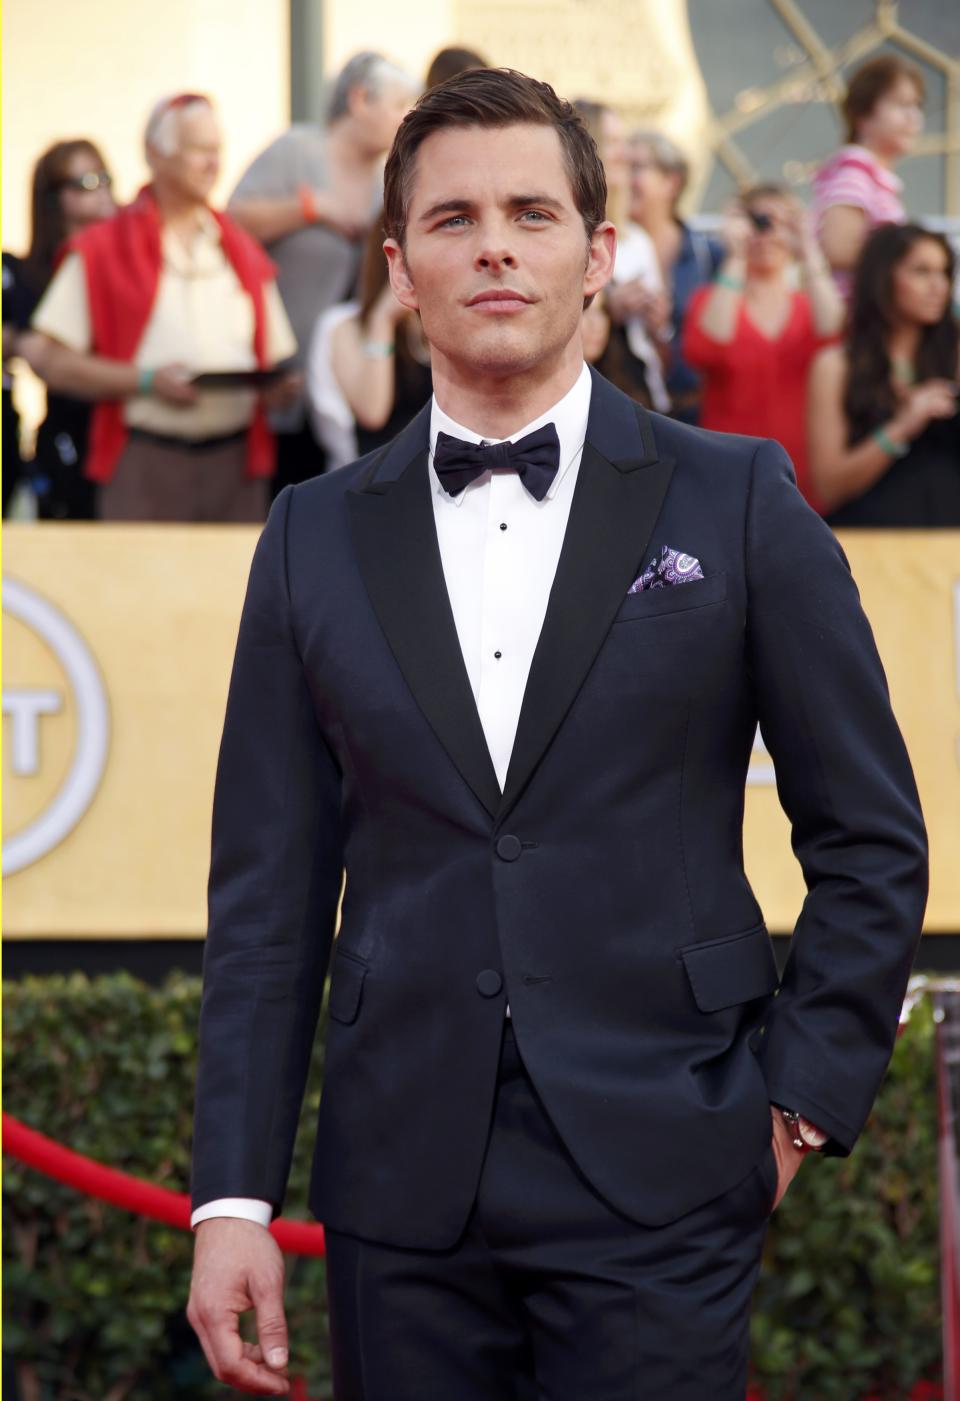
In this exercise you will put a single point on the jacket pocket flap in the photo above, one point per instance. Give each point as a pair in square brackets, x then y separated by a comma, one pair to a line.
[346, 988]
[725, 972]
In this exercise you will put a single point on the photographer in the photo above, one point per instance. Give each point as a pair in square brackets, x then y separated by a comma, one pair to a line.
[752, 335]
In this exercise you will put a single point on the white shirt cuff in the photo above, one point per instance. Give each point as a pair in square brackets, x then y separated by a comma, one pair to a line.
[246, 1208]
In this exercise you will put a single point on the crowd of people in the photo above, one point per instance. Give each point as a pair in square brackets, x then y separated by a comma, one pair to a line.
[198, 360]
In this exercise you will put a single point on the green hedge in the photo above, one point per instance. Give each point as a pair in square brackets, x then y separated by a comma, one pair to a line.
[94, 1297]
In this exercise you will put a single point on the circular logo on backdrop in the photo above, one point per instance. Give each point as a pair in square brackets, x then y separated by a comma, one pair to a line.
[57, 726]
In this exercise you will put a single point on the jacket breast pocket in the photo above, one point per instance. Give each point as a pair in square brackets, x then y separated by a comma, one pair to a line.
[726, 972]
[346, 987]
[673, 598]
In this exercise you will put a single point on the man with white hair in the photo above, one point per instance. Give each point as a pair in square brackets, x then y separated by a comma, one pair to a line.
[165, 290]
[310, 197]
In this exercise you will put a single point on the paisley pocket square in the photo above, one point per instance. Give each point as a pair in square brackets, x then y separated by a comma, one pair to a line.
[673, 567]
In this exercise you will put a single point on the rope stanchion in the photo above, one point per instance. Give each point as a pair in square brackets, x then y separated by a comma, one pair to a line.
[94, 1179]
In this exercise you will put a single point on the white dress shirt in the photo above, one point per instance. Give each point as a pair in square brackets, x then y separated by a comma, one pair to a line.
[499, 548]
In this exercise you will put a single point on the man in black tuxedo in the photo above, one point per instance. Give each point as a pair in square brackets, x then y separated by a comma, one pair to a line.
[506, 673]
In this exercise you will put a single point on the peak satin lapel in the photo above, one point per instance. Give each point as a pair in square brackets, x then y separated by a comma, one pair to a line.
[614, 510]
[396, 543]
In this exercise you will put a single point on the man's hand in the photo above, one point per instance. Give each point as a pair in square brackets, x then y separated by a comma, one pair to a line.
[934, 398]
[237, 1265]
[626, 299]
[283, 393]
[172, 384]
[345, 212]
[787, 1155]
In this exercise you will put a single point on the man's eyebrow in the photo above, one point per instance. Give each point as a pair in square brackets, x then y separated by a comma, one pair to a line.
[446, 206]
[522, 201]
[461, 203]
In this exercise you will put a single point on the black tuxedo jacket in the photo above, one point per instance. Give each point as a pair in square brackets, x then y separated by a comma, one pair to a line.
[603, 892]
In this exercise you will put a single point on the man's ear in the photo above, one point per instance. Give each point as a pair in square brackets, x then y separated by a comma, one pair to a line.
[400, 279]
[600, 258]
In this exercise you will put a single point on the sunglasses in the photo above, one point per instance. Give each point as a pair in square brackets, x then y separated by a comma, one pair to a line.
[90, 180]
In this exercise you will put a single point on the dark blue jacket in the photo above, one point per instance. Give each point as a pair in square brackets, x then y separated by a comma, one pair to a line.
[603, 893]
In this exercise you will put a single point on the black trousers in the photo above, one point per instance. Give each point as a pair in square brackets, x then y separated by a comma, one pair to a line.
[551, 1295]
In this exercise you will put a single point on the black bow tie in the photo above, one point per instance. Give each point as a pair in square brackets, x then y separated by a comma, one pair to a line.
[535, 460]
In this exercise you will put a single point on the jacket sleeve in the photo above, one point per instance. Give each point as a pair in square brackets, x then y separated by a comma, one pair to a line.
[845, 782]
[275, 882]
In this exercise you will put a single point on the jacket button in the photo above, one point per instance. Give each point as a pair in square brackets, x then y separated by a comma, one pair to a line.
[509, 847]
[489, 982]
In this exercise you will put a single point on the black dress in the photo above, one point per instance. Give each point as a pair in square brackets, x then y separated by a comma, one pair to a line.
[18, 305]
[63, 492]
[56, 472]
[414, 386]
[919, 490]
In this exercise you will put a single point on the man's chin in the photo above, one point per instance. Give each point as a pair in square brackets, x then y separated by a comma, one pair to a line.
[503, 366]
[500, 355]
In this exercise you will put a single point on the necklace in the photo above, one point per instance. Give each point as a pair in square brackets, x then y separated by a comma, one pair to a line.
[904, 372]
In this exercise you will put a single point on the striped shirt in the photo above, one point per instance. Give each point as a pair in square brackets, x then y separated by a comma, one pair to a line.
[854, 176]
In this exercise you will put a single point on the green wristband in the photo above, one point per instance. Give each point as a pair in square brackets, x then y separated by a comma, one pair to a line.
[889, 446]
[144, 381]
[378, 350]
[723, 279]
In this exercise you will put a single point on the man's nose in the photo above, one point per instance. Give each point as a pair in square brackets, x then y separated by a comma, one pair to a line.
[494, 246]
[493, 256]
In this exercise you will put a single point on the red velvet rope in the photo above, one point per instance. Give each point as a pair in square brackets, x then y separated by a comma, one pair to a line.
[131, 1193]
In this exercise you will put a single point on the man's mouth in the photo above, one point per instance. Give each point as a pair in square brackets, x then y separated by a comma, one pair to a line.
[499, 300]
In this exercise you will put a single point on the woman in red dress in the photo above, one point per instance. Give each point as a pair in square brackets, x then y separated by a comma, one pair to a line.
[753, 334]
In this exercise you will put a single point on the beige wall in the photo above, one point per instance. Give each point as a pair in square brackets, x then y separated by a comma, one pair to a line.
[410, 35]
[636, 55]
[95, 67]
[156, 607]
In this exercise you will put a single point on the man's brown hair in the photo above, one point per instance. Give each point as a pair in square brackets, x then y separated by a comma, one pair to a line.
[872, 81]
[493, 97]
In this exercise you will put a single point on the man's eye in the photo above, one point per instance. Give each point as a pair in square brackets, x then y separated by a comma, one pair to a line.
[455, 219]
[536, 214]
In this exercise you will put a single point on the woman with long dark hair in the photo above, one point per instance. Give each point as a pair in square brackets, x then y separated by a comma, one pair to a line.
[71, 189]
[370, 361]
[884, 429]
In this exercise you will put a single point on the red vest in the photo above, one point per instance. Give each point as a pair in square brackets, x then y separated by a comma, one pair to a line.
[122, 258]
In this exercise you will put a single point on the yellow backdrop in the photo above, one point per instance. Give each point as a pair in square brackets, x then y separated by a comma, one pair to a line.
[117, 649]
